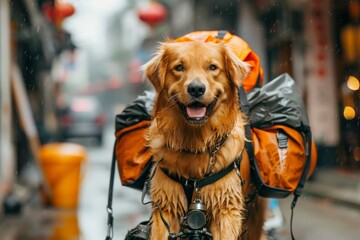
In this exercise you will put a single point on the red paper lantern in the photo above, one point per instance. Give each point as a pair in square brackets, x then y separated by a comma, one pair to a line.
[152, 13]
[64, 10]
[59, 11]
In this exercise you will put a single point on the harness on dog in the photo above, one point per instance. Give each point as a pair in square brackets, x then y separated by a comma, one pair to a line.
[189, 185]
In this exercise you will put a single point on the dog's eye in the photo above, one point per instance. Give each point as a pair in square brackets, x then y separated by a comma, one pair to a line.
[212, 67]
[179, 68]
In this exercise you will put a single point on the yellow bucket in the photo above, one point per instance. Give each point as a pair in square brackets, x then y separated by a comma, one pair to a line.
[66, 228]
[62, 167]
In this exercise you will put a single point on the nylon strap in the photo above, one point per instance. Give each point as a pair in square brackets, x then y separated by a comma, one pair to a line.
[245, 107]
[110, 220]
[307, 143]
[190, 184]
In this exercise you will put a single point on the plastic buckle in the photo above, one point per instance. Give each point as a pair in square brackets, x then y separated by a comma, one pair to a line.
[282, 139]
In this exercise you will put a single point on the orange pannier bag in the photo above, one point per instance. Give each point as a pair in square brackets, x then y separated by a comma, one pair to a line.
[281, 167]
[282, 153]
[134, 157]
[132, 154]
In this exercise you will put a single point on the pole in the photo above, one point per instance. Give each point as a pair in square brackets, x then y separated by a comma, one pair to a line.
[7, 160]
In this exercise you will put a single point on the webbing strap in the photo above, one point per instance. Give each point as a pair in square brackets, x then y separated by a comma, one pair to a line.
[110, 220]
[245, 108]
[190, 184]
[307, 143]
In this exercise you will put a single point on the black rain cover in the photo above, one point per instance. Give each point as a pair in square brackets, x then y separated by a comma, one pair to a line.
[277, 102]
[137, 111]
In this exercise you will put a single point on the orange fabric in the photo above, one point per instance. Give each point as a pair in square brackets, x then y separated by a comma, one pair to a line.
[132, 154]
[281, 168]
[238, 46]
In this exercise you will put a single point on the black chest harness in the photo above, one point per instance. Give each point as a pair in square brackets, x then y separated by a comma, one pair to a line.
[189, 185]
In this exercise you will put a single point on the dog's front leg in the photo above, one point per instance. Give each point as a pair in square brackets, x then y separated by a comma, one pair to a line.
[225, 206]
[226, 225]
[158, 229]
[170, 198]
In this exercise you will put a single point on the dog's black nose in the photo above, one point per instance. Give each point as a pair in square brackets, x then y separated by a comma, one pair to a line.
[196, 89]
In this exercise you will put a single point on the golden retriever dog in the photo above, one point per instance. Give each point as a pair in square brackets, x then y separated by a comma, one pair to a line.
[196, 109]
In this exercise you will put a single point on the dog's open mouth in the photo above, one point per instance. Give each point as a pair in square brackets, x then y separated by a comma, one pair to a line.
[197, 112]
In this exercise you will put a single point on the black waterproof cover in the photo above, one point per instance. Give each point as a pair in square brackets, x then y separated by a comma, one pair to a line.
[277, 102]
[137, 111]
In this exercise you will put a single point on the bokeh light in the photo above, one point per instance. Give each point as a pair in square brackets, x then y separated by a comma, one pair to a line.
[353, 83]
[349, 113]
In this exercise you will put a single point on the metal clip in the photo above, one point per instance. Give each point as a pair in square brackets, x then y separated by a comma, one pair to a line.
[237, 169]
[197, 192]
[186, 182]
[109, 210]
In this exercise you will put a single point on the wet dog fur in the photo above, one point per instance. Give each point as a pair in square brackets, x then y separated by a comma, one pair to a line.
[196, 105]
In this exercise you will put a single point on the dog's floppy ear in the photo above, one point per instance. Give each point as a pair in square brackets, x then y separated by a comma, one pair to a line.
[155, 69]
[236, 69]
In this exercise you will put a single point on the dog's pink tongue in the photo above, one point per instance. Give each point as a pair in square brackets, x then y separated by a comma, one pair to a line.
[196, 112]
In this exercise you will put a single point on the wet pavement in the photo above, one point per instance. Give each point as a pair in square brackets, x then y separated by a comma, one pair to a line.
[89, 220]
[316, 216]
[92, 215]
[319, 218]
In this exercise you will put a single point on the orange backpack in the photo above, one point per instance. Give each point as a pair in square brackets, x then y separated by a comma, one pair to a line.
[238, 46]
[282, 153]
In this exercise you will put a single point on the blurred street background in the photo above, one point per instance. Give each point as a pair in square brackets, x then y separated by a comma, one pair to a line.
[67, 67]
